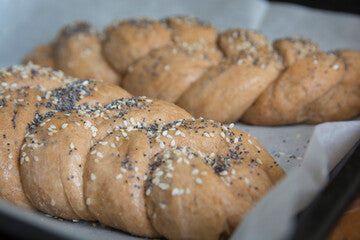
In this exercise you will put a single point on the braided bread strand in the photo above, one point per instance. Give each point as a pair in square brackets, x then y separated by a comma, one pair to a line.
[234, 75]
[29, 90]
[85, 149]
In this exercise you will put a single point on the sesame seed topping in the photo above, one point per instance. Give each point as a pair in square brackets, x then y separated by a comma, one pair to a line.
[177, 191]
[164, 186]
[162, 205]
[223, 173]
[92, 176]
[87, 124]
[195, 171]
[198, 181]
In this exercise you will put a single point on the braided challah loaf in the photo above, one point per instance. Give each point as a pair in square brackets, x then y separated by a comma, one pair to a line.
[229, 76]
[85, 149]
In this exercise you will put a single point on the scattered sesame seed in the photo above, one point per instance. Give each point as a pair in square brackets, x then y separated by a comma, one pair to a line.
[198, 181]
[164, 186]
[92, 177]
[162, 205]
[223, 173]
[87, 124]
[195, 171]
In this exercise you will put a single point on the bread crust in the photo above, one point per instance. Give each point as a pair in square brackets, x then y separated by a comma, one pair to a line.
[88, 150]
[287, 100]
[171, 60]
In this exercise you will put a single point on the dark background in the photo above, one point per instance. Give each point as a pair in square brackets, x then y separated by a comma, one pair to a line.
[350, 6]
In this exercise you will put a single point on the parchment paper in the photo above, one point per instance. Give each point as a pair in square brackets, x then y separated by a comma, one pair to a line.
[306, 152]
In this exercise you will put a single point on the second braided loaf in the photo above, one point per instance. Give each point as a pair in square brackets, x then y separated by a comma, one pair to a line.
[234, 75]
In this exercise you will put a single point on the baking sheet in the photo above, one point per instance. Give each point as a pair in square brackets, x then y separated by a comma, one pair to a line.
[25, 24]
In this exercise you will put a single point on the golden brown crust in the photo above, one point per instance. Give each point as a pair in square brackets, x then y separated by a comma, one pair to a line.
[191, 29]
[31, 75]
[127, 153]
[78, 52]
[30, 89]
[127, 41]
[75, 152]
[287, 100]
[295, 48]
[139, 51]
[242, 80]
[167, 72]
[233, 41]
[342, 102]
